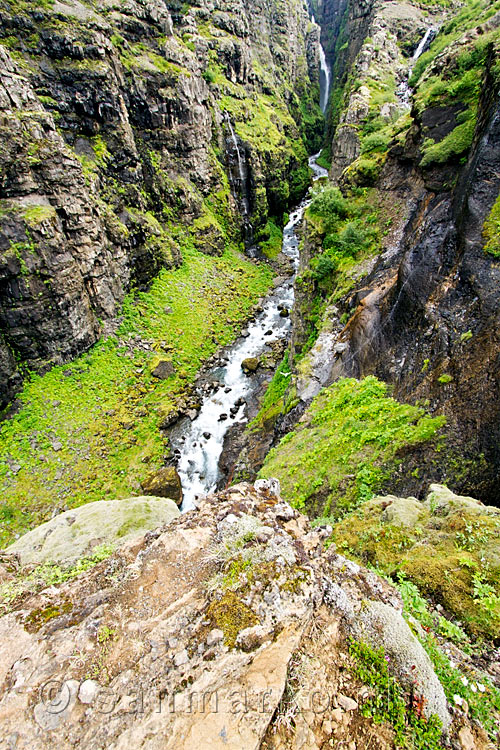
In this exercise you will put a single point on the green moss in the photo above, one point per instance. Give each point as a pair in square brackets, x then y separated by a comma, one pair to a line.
[34, 215]
[491, 230]
[231, 615]
[345, 449]
[39, 617]
[455, 144]
[388, 703]
[446, 558]
[444, 379]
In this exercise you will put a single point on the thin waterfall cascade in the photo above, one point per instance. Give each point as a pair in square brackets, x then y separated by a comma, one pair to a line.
[403, 91]
[239, 177]
[198, 444]
[325, 80]
[325, 75]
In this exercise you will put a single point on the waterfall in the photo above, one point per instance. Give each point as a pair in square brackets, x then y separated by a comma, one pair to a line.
[324, 81]
[324, 76]
[403, 91]
[431, 32]
[239, 181]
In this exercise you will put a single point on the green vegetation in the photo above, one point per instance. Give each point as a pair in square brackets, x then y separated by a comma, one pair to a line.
[48, 574]
[106, 410]
[444, 379]
[449, 551]
[481, 696]
[350, 232]
[491, 230]
[389, 704]
[346, 449]
[270, 240]
[273, 402]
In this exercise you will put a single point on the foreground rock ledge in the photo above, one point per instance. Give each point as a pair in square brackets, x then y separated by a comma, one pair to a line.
[187, 636]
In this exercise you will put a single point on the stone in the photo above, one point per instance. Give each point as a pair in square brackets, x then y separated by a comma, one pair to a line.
[163, 370]
[250, 365]
[164, 482]
[215, 636]
[466, 739]
[88, 691]
[74, 533]
[348, 704]
[402, 511]
[181, 658]
[251, 638]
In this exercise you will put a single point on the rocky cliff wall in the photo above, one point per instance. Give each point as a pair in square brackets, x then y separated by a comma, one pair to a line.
[399, 275]
[113, 133]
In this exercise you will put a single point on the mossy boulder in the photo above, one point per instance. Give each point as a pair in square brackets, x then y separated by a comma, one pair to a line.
[70, 535]
[165, 482]
[448, 545]
[250, 364]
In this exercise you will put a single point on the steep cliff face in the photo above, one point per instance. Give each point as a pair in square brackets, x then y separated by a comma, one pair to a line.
[399, 274]
[114, 132]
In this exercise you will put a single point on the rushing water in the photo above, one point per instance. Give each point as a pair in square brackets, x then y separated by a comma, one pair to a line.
[403, 91]
[201, 441]
[324, 76]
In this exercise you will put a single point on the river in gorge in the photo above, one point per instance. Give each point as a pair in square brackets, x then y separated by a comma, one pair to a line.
[198, 444]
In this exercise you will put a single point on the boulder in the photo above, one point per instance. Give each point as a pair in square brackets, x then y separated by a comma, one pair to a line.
[163, 370]
[165, 482]
[70, 535]
[250, 364]
[402, 511]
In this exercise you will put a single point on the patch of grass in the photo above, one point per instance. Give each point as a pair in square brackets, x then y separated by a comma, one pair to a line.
[388, 703]
[48, 574]
[345, 449]
[271, 240]
[455, 144]
[273, 402]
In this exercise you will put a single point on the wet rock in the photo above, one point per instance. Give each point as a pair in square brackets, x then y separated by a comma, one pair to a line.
[223, 417]
[250, 365]
[164, 483]
[284, 312]
[207, 435]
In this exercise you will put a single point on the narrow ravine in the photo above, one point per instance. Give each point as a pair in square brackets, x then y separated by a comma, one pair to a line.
[199, 444]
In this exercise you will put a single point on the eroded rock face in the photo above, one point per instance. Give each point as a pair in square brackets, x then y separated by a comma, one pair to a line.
[191, 633]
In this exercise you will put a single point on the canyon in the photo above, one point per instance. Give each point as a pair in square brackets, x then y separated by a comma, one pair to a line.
[249, 267]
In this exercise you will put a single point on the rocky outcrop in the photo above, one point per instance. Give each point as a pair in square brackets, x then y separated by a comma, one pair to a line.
[205, 631]
[76, 533]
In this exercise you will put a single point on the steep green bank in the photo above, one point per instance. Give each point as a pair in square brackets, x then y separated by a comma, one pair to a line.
[348, 445]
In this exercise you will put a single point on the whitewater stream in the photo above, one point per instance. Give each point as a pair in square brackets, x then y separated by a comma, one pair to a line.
[199, 443]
